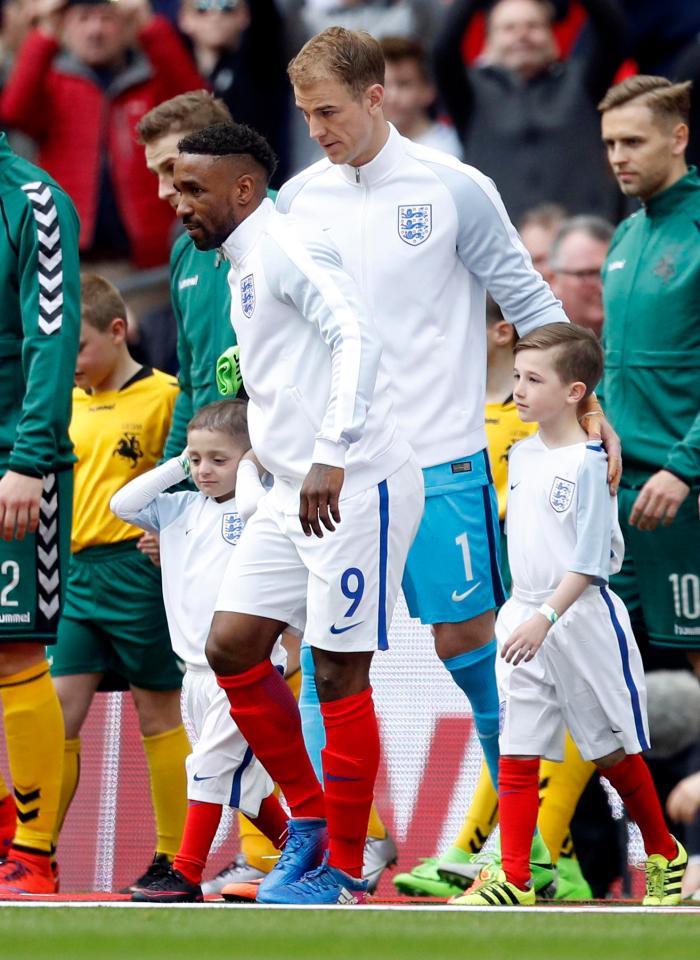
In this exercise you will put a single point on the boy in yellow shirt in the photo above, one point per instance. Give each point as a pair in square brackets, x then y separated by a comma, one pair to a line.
[113, 622]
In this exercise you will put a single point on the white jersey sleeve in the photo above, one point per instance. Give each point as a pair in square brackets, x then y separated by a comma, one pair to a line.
[143, 501]
[249, 489]
[593, 552]
[311, 278]
[489, 247]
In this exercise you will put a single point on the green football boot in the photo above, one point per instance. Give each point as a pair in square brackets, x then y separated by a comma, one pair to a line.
[571, 883]
[425, 881]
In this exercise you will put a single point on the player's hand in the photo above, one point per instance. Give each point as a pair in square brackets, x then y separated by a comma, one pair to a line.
[20, 497]
[684, 800]
[318, 501]
[150, 545]
[592, 419]
[526, 640]
[658, 501]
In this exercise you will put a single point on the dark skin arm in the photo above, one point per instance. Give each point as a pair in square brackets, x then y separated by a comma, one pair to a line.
[318, 500]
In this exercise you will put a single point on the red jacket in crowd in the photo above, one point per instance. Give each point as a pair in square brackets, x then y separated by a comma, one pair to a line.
[54, 98]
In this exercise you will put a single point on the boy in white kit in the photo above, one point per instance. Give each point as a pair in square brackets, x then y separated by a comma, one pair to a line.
[198, 536]
[568, 657]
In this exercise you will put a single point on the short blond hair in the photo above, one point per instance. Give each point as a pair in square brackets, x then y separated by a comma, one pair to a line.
[579, 356]
[353, 57]
[186, 113]
[100, 302]
[669, 102]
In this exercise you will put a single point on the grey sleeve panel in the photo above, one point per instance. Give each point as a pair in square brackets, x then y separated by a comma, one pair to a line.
[593, 517]
[310, 277]
[489, 247]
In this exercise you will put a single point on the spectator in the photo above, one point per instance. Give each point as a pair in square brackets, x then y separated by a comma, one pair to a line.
[409, 96]
[239, 47]
[79, 86]
[577, 256]
[527, 119]
[537, 230]
[652, 358]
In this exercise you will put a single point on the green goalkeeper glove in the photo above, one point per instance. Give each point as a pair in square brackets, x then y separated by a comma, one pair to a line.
[228, 372]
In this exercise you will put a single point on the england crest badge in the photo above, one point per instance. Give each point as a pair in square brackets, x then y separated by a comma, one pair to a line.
[561, 494]
[415, 222]
[248, 296]
[231, 527]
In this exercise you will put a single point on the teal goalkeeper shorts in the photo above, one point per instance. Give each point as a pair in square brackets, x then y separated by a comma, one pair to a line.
[452, 572]
[114, 620]
[33, 571]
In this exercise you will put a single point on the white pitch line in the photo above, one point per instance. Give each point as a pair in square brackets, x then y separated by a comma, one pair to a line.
[376, 908]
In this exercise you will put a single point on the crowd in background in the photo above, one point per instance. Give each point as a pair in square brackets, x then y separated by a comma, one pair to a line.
[518, 100]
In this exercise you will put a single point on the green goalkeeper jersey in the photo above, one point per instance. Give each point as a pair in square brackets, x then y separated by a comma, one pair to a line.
[40, 317]
[651, 335]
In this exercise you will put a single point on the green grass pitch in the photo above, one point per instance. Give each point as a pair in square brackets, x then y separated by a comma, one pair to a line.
[242, 934]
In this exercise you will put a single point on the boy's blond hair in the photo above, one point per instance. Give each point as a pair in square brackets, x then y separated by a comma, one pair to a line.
[227, 416]
[669, 102]
[100, 302]
[353, 57]
[578, 357]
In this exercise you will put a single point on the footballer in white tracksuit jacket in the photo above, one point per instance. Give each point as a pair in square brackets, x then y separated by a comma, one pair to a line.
[425, 237]
[310, 360]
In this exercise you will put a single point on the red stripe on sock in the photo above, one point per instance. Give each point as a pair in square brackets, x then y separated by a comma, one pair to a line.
[350, 764]
[518, 802]
[632, 780]
[201, 825]
[267, 715]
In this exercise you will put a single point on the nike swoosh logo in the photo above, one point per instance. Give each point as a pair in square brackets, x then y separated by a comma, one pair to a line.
[199, 779]
[331, 776]
[514, 485]
[458, 597]
[189, 531]
[352, 626]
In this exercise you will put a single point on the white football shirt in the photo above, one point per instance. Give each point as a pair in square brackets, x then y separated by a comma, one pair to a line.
[560, 516]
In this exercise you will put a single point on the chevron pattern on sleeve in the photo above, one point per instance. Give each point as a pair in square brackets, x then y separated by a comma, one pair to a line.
[47, 559]
[50, 258]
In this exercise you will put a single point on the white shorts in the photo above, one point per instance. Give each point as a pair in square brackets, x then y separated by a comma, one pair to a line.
[221, 767]
[587, 676]
[340, 589]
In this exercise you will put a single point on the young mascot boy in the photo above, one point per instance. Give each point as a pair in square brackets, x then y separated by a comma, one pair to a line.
[198, 532]
[113, 622]
[567, 654]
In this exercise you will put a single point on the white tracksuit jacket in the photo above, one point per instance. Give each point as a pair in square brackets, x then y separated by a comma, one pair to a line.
[425, 237]
[309, 357]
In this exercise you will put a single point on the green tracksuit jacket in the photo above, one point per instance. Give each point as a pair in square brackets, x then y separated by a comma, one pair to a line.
[651, 335]
[202, 305]
[40, 317]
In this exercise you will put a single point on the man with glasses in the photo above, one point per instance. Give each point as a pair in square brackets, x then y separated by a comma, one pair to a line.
[578, 252]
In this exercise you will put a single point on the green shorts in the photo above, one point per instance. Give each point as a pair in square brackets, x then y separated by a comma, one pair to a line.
[33, 571]
[660, 577]
[114, 620]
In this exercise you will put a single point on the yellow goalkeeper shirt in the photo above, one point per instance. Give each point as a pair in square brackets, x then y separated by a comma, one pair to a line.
[117, 435]
[503, 428]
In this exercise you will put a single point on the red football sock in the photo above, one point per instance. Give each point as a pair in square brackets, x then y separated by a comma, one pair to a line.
[198, 835]
[8, 822]
[272, 821]
[518, 803]
[350, 764]
[267, 715]
[632, 780]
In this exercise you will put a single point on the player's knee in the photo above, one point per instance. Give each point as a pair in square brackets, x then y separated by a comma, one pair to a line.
[611, 759]
[226, 650]
[453, 639]
[339, 676]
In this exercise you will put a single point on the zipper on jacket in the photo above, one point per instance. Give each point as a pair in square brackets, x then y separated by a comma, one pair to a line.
[357, 174]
